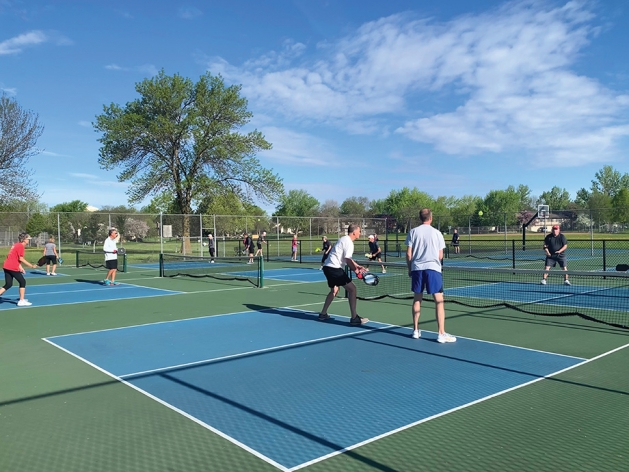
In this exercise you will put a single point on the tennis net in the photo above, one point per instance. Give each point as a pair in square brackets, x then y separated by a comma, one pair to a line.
[223, 268]
[96, 260]
[596, 296]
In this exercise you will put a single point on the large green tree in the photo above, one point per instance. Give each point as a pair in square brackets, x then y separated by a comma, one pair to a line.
[72, 218]
[608, 181]
[296, 203]
[356, 206]
[620, 204]
[185, 137]
[19, 132]
[556, 198]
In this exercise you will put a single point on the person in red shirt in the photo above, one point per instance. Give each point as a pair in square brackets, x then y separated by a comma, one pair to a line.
[13, 268]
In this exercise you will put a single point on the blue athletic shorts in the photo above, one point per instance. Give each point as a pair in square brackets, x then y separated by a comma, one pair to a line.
[429, 280]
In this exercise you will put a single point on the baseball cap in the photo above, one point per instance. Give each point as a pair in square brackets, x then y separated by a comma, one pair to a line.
[555, 226]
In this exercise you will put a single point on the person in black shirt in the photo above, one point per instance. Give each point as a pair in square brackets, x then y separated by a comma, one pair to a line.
[249, 247]
[326, 247]
[374, 252]
[555, 245]
[455, 241]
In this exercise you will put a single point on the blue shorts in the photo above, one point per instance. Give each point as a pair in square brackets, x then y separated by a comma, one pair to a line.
[429, 280]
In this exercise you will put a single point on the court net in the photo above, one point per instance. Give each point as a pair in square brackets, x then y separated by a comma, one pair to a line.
[596, 296]
[96, 260]
[223, 268]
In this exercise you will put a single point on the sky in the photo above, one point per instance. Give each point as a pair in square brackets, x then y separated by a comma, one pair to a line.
[357, 97]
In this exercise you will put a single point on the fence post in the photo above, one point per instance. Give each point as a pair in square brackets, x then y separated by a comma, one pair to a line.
[59, 233]
[604, 256]
[161, 232]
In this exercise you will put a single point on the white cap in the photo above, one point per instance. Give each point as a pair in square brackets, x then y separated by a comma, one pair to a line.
[371, 236]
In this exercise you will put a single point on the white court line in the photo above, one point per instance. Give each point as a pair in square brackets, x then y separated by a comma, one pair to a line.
[375, 438]
[242, 354]
[174, 408]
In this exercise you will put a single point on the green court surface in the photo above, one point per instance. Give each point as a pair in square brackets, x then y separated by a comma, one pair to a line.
[59, 414]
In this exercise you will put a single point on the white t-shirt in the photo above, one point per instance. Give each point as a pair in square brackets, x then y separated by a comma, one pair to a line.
[109, 246]
[425, 243]
[343, 249]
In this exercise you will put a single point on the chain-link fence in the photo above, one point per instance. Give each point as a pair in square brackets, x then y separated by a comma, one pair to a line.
[147, 235]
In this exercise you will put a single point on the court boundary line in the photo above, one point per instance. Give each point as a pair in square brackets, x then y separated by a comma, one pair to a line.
[296, 308]
[248, 353]
[452, 410]
[174, 408]
[340, 451]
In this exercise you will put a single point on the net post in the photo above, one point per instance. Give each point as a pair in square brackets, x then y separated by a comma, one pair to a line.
[299, 247]
[604, 256]
[124, 262]
[260, 272]
[513, 252]
[161, 264]
[77, 259]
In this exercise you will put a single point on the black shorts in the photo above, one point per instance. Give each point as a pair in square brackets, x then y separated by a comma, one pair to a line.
[455, 243]
[373, 258]
[556, 259]
[51, 260]
[9, 275]
[335, 277]
[111, 264]
[252, 249]
[259, 245]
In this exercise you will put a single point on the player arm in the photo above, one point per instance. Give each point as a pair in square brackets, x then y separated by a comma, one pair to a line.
[24, 261]
[353, 266]
[562, 249]
[409, 258]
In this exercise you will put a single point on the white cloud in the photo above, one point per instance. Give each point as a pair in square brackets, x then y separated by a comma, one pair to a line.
[301, 149]
[497, 82]
[11, 92]
[148, 69]
[189, 13]
[17, 44]
[85, 124]
[84, 176]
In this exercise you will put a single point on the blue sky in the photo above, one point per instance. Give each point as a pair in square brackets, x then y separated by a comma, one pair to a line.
[358, 97]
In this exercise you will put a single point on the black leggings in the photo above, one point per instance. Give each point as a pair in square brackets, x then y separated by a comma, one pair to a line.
[9, 275]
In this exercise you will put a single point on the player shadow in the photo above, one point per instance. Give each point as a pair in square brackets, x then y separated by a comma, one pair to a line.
[87, 281]
[308, 316]
[8, 301]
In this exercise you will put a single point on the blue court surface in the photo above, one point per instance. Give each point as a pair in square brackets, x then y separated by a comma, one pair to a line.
[583, 296]
[293, 390]
[77, 292]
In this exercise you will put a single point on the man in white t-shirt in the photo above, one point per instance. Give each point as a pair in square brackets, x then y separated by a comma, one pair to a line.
[334, 271]
[111, 257]
[424, 253]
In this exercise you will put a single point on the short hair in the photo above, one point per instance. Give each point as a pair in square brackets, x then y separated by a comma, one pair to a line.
[51, 238]
[352, 227]
[23, 237]
[112, 231]
[425, 214]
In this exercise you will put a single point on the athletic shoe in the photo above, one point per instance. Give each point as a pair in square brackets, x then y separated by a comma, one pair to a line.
[417, 334]
[384, 271]
[54, 273]
[24, 302]
[211, 262]
[115, 283]
[321, 268]
[543, 282]
[446, 338]
[106, 282]
[566, 282]
[47, 273]
[325, 317]
[358, 321]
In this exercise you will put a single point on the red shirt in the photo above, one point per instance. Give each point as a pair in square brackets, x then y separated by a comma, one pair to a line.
[13, 259]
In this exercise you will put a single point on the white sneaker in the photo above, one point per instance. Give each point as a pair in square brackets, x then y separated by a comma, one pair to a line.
[47, 273]
[543, 282]
[566, 282]
[446, 338]
[417, 334]
[384, 271]
[54, 273]
[24, 302]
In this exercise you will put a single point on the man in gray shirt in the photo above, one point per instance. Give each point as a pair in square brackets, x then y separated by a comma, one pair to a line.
[424, 253]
